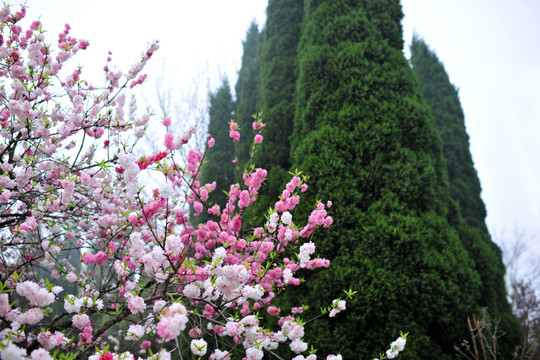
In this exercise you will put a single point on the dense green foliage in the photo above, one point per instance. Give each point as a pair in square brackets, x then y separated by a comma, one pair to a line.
[368, 142]
[278, 66]
[247, 92]
[443, 99]
[333, 74]
[219, 166]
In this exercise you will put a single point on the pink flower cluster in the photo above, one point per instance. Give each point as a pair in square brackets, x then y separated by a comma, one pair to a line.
[99, 258]
[338, 306]
[37, 295]
[173, 321]
[234, 133]
[84, 212]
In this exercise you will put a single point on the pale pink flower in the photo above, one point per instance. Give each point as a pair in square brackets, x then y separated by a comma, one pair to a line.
[71, 277]
[158, 305]
[253, 353]
[337, 307]
[35, 294]
[5, 307]
[73, 304]
[167, 328]
[28, 225]
[286, 218]
[219, 355]
[192, 291]
[306, 250]
[234, 328]
[334, 357]
[11, 351]
[80, 321]
[292, 330]
[399, 344]
[5, 195]
[135, 332]
[40, 354]
[287, 275]
[31, 317]
[136, 304]
[198, 347]
[173, 322]
[298, 346]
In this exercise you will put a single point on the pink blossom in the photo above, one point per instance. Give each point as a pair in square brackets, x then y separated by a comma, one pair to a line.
[234, 328]
[80, 321]
[257, 125]
[274, 311]
[135, 332]
[5, 307]
[49, 341]
[198, 208]
[35, 294]
[334, 357]
[298, 346]
[11, 351]
[194, 333]
[253, 353]
[153, 207]
[101, 257]
[88, 258]
[40, 354]
[169, 141]
[337, 307]
[98, 194]
[198, 347]
[235, 135]
[31, 317]
[28, 225]
[35, 25]
[136, 304]
[244, 199]
[5, 195]
[220, 355]
[237, 223]
[173, 322]
[203, 193]
[167, 328]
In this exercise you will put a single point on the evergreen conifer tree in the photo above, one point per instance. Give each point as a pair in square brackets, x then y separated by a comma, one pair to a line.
[219, 166]
[443, 99]
[247, 92]
[278, 64]
[367, 140]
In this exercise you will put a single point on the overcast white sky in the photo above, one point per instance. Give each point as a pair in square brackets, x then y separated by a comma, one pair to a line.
[490, 48]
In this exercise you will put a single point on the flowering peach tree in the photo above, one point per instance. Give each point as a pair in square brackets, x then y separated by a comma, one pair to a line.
[98, 255]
